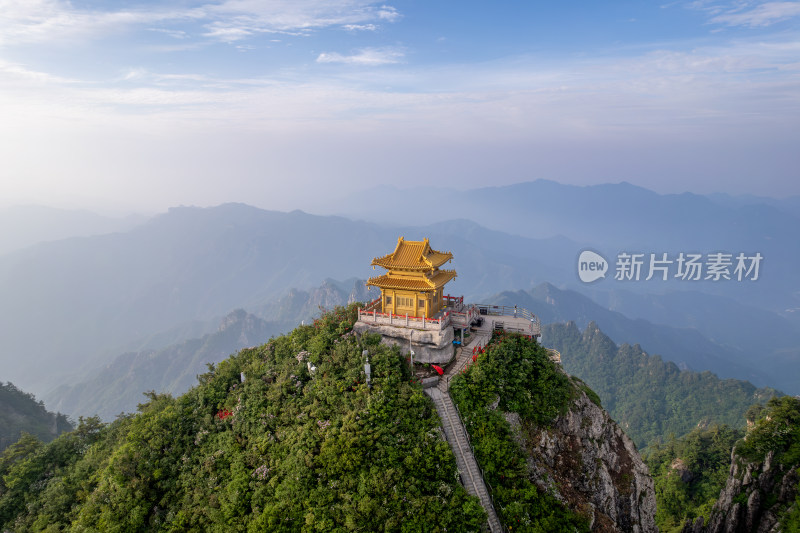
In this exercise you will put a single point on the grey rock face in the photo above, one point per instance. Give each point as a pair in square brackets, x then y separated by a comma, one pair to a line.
[587, 461]
[430, 346]
[756, 494]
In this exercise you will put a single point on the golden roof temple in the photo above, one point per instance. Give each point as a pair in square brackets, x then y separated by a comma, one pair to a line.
[413, 284]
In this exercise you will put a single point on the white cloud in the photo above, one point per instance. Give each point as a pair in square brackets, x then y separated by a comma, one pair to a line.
[360, 27]
[18, 74]
[762, 15]
[388, 13]
[367, 57]
[748, 13]
[47, 20]
[294, 18]
[228, 20]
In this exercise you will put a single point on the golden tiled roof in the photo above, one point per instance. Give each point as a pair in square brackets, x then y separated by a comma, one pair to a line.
[413, 255]
[421, 283]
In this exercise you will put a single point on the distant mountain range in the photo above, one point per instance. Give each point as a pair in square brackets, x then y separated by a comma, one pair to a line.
[119, 386]
[684, 345]
[68, 307]
[612, 218]
[649, 397]
[25, 226]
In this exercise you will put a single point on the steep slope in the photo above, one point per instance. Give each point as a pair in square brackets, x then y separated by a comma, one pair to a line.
[543, 443]
[648, 397]
[302, 444]
[20, 412]
[689, 473]
[286, 436]
[762, 492]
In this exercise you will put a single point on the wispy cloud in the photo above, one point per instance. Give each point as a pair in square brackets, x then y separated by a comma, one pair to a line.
[366, 56]
[16, 73]
[388, 13]
[761, 15]
[360, 27]
[239, 19]
[227, 21]
[47, 20]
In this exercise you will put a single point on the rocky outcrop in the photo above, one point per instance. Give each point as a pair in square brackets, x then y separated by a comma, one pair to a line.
[755, 497]
[430, 346]
[585, 460]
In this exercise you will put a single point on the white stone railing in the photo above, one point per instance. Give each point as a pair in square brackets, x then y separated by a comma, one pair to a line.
[456, 314]
[390, 319]
[534, 327]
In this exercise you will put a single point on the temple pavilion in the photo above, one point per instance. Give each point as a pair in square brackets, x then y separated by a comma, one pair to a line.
[413, 284]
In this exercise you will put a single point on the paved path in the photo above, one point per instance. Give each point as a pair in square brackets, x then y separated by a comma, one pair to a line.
[478, 339]
[455, 432]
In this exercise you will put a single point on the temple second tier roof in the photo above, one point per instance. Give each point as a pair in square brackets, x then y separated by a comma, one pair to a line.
[414, 256]
[422, 283]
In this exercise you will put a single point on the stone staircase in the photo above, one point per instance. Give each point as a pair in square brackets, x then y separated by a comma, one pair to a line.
[456, 433]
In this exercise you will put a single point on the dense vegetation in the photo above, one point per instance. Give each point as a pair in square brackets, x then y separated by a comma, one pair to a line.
[21, 413]
[514, 375]
[649, 398]
[293, 447]
[689, 473]
[777, 430]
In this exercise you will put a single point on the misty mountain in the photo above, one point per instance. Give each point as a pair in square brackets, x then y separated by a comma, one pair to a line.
[299, 305]
[790, 204]
[27, 225]
[69, 305]
[769, 340]
[119, 386]
[685, 346]
[649, 397]
[21, 412]
[612, 218]
[723, 320]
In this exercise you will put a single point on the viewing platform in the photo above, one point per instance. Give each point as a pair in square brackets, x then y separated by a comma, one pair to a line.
[458, 315]
[432, 340]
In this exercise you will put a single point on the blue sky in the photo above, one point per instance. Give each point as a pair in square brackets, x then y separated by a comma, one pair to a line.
[287, 104]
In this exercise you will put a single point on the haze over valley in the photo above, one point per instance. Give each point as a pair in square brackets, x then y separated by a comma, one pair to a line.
[192, 194]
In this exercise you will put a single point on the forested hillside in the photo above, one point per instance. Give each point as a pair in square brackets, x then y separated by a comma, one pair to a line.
[556, 460]
[301, 444]
[762, 490]
[20, 412]
[651, 399]
[689, 473]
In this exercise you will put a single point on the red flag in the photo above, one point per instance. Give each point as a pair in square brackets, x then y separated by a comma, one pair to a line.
[438, 369]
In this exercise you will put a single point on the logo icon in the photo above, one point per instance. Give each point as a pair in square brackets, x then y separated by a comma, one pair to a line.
[591, 266]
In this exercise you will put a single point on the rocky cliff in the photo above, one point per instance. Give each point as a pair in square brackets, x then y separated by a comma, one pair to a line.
[761, 493]
[545, 443]
[586, 461]
[755, 498]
